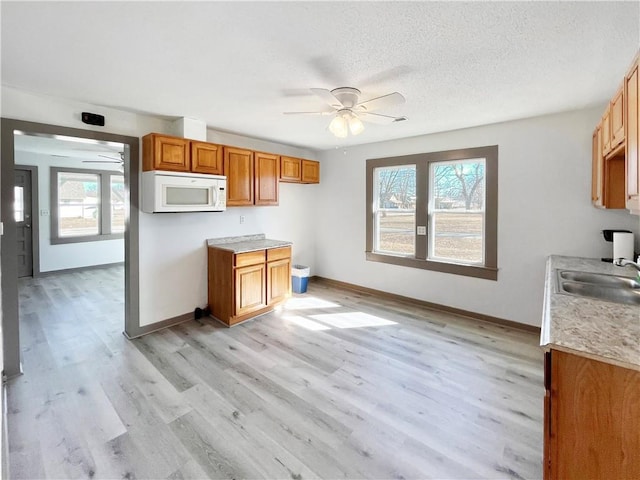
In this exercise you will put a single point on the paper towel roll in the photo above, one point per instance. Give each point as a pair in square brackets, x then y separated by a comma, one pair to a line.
[623, 245]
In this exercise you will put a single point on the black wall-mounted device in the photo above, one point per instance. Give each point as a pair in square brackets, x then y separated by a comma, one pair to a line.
[93, 119]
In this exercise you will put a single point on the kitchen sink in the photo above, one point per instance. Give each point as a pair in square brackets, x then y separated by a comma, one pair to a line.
[611, 288]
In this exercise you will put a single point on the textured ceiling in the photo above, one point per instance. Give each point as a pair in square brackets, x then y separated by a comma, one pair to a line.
[239, 65]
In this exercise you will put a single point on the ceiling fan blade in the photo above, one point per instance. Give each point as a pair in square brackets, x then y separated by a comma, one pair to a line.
[101, 161]
[310, 113]
[111, 158]
[384, 101]
[378, 118]
[327, 97]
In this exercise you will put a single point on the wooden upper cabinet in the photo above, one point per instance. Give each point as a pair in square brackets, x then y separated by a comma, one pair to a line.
[267, 175]
[605, 125]
[596, 168]
[310, 171]
[238, 167]
[632, 135]
[206, 158]
[290, 169]
[162, 152]
[617, 118]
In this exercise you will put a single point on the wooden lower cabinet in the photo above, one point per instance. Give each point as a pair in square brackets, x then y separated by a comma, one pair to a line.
[244, 285]
[592, 419]
[250, 289]
[278, 275]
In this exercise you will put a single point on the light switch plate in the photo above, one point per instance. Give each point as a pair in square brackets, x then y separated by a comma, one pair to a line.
[422, 230]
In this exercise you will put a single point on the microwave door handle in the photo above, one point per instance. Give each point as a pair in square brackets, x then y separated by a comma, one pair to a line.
[215, 196]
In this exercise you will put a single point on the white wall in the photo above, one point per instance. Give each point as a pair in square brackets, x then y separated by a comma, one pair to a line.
[544, 208]
[172, 246]
[70, 255]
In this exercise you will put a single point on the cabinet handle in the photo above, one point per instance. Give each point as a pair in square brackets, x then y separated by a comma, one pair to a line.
[547, 370]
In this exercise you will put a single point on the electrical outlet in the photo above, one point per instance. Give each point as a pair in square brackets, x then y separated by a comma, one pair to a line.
[422, 230]
[241, 218]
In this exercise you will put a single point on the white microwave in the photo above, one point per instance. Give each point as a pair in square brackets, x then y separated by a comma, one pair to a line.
[164, 191]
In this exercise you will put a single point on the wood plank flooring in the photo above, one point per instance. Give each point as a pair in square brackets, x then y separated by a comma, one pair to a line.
[334, 385]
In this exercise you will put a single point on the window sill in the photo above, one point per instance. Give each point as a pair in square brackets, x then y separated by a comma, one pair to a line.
[87, 238]
[487, 273]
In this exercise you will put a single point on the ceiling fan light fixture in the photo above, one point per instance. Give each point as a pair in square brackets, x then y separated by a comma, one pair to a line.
[355, 125]
[338, 126]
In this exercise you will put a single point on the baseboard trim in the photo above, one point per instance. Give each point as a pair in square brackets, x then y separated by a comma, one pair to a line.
[154, 327]
[430, 305]
[5, 435]
[76, 269]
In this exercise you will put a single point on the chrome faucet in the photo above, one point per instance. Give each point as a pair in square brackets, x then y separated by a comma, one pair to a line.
[621, 262]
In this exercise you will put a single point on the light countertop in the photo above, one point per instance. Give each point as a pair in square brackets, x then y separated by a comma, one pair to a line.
[605, 331]
[246, 243]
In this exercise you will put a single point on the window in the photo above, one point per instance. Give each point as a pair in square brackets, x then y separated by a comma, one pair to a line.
[436, 211]
[18, 204]
[395, 213]
[86, 205]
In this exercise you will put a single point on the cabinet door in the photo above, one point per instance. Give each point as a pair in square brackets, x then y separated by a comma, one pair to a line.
[206, 158]
[290, 169]
[250, 289]
[594, 418]
[238, 167]
[632, 134]
[161, 152]
[310, 171]
[267, 174]
[606, 131]
[596, 168]
[278, 280]
[617, 118]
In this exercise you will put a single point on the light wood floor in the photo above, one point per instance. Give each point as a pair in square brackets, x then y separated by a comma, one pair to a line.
[335, 385]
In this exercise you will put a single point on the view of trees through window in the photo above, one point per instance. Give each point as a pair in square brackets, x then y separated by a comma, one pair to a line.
[455, 207]
[396, 209]
[456, 210]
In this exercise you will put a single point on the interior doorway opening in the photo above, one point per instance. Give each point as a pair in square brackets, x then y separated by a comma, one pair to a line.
[94, 221]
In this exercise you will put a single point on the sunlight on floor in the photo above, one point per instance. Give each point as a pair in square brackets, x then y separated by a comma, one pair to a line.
[306, 323]
[300, 303]
[351, 320]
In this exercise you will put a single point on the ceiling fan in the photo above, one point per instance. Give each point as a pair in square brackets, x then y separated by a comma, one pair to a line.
[350, 112]
[111, 160]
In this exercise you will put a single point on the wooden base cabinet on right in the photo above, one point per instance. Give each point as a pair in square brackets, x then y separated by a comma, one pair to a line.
[592, 419]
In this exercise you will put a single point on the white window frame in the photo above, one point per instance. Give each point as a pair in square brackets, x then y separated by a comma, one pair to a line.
[104, 224]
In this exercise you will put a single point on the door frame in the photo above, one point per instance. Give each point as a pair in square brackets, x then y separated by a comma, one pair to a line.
[8, 260]
[35, 218]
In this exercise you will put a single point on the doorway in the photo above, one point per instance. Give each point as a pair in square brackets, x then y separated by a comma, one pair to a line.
[9, 247]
